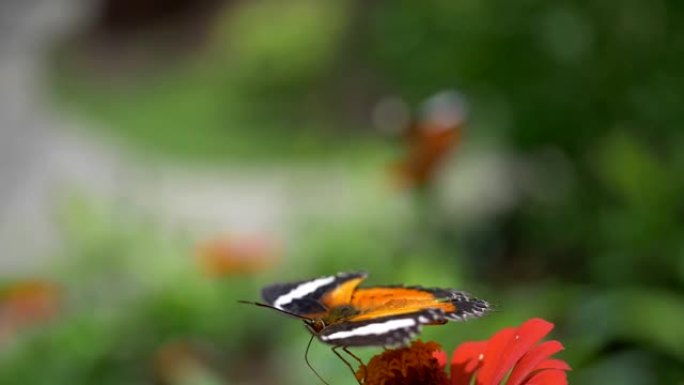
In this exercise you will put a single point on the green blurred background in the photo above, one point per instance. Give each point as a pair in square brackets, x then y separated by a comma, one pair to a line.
[163, 159]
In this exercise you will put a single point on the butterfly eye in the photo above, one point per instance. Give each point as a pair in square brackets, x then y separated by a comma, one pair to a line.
[311, 325]
[315, 325]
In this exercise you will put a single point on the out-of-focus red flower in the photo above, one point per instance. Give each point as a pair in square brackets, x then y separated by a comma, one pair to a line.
[513, 356]
[26, 303]
[229, 255]
[182, 363]
[432, 138]
[513, 352]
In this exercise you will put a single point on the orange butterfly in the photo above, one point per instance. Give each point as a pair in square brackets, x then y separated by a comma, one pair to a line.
[432, 137]
[341, 314]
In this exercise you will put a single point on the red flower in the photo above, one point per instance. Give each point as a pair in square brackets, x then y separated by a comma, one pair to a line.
[183, 363]
[513, 356]
[515, 352]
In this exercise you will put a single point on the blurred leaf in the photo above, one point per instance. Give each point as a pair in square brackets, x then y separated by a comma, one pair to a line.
[271, 42]
[634, 174]
[630, 368]
[642, 316]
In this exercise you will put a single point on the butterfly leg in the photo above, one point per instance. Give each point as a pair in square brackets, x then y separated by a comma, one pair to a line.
[334, 350]
[346, 349]
[361, 364]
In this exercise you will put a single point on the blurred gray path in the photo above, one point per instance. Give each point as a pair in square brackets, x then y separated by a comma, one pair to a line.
[30, 149]
[44, 156]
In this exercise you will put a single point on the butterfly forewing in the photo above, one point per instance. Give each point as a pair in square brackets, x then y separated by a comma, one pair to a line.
[377, 302]
[311, 297]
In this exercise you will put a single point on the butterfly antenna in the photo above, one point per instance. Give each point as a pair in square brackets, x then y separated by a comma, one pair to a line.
[306, 358]
[273, 308]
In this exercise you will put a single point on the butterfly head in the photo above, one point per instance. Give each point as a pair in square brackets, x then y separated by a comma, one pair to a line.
[315, 326]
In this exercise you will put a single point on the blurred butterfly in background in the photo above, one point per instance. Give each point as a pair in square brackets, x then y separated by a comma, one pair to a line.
[429, 138]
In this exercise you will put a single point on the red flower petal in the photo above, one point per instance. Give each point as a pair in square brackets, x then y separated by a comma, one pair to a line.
[507, 346]
[441, 358]
[548, 377]
[465, 361]
[494, 356]
[530, 361]
[553, 363]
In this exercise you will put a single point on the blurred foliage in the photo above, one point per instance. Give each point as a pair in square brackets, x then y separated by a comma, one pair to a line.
[253, 92]
[587, 95]
[258, 41]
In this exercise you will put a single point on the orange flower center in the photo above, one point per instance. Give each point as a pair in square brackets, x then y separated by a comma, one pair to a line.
[411, 365]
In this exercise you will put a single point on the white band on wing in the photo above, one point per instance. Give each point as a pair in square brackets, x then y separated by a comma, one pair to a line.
[301, 291]
[372, 329]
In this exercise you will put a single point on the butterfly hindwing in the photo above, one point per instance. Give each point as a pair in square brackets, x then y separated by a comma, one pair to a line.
[392, 330]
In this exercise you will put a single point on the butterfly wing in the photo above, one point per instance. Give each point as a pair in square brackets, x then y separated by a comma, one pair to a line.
[313, 297]
[391, 330]
[389, 316]
[452, 304]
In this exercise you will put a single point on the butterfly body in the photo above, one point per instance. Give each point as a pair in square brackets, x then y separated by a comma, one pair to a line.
[340, 313]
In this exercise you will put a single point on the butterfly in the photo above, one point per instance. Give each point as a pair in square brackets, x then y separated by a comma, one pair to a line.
[431, 137]
[340, 313]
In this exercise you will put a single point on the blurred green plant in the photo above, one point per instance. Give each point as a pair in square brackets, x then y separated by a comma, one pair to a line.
[271, 44]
